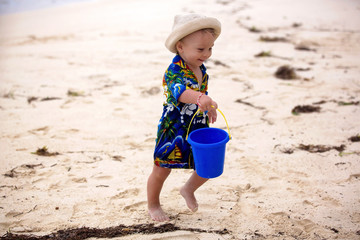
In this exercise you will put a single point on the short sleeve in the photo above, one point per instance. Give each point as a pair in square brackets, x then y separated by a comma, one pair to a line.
[174, 84]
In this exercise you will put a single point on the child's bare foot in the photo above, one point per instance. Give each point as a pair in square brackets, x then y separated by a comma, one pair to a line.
[190, 199]
[157, 214]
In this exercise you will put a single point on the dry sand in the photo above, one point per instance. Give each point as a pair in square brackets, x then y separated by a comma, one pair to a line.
[84, 80]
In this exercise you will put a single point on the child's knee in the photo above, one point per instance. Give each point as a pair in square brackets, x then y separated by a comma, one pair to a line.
[160, 172]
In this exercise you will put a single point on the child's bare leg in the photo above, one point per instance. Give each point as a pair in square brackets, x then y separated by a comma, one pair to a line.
[187, 191]
[154, 186]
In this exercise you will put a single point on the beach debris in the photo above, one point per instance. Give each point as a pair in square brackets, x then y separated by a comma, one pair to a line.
[10, 174]
[320, 148]
[284, 149]
[303, 69]
[254, 29]
[287, 150]
[224, 2]
[273, 39]
[118, 158]
[218, 63]
[152, 91]
[304, 47]
[305, 109]
[342, 103]
[35, 39]
[32, 99]
[72, 93]
[9, 94]
[50, 99]
[110, 232]
[249, 104]
[322, 102]
[286, 72]
[340, 164]
[269, 54]
[264, 54]
[296, 25]
[349, 153]
[25, 168]
[355, 138]
[44, 152]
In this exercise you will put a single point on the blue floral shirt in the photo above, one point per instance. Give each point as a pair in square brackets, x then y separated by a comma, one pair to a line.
[172, 150]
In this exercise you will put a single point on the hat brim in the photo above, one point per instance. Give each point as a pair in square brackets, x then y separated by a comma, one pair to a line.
[190, 27]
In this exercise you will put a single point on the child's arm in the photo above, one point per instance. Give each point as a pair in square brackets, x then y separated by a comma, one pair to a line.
[206, 103]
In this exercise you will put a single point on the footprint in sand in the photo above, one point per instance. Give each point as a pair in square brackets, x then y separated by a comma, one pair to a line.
[101, 177]
[78, 180]
[331, 201]
[129, 192]
[278, 220]
[12, 213]
[307, 225]
[122, 199]
[308, 203]
[353, 177]
[134, 207]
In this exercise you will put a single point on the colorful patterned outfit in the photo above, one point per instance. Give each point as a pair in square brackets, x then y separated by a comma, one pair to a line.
[172, 150]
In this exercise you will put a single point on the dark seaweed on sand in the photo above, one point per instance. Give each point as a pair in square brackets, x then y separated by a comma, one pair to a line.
[269, 54]
[254, 29]
[14, 173]
[355, 138]
[321, 148]
[44, 152]
[342, 103]
[72, 93]
[110, 232]
[50, 99]
[286, 72]
[273, 39]
[264, 54]
[31, 99]
[302, 47]
[305, 109]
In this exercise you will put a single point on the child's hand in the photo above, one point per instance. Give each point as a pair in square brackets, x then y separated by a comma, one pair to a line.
[207, 104]
[212, 114]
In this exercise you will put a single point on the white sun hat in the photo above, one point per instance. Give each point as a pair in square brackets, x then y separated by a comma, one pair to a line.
[187, 24]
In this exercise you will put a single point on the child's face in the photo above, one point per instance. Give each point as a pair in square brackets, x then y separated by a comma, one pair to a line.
[196, 48]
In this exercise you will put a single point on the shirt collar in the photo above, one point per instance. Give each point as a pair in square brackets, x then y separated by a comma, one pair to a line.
[181, 63]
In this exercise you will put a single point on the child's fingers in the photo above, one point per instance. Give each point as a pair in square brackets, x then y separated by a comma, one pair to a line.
[212, 116]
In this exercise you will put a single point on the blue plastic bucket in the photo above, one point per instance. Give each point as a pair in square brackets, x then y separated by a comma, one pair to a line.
[208, 146]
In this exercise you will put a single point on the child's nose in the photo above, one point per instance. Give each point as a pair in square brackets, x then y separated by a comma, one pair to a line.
[207, 54]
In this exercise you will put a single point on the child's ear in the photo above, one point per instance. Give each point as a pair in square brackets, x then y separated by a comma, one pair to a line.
[179, 47]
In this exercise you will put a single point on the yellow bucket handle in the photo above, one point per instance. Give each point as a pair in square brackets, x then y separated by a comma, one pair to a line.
[227, 125]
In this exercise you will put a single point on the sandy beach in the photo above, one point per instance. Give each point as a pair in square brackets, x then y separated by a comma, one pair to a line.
[81, 97]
